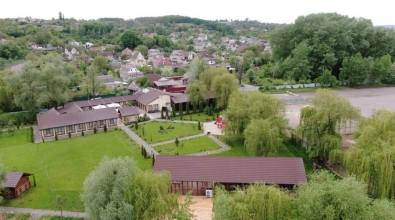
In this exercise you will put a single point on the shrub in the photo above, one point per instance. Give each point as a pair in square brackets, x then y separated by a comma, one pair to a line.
[69, 134]
[95, 130]
[31, 134]
[177, 142]
[161, 127]
[136, 125]
[82, 133]
[199, 128]
[105, 128]
[56, 137]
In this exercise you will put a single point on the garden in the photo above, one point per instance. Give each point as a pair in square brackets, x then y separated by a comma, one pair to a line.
[189, 146]
[155, 132]
[60, 167]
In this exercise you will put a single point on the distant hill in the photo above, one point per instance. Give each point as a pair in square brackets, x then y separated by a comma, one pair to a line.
[388, 26]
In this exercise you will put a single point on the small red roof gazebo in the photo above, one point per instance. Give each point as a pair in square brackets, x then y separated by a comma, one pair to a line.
[18, 182]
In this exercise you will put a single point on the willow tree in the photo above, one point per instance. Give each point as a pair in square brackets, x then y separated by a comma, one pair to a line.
[208, 76]
[197, 92]
[320, 123]
[244, 107]
[149, 195]
[372, 158]
[259, 201]
[223, 86]
[263, 136]
[325, 197]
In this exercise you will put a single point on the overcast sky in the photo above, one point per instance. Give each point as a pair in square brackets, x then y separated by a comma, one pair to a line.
[381, 12]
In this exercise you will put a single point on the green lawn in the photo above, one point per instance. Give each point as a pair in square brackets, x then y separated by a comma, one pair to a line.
[153, 134]
[191, 146]
[196, 117]
[288, 150]
[60, 167]
[17, 138]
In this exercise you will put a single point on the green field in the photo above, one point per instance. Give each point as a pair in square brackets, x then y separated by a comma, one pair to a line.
[153, 134]
[196, 117]
[195, 145]
[60, 167]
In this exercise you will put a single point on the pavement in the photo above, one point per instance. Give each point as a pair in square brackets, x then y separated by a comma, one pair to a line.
[212, 128]
[36, 213]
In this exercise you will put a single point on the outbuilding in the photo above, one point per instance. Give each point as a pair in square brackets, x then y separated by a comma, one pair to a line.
[18, 182]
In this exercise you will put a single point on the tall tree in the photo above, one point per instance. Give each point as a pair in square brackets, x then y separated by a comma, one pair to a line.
[353, 70]
[3, 179]
[319, 123]
[101, 63]
[105, 188]
[197, 92]
[223, 87]
[371, 158]
[130, 40]
[208, 76]
[91, 85]
[259, 201]
[6, 96]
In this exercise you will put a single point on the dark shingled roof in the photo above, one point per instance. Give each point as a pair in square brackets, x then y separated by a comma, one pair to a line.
[277, 170]
[181, 98]
[127, 111]
[154, 77]
[13, 179]
[53, 119]
[149, 96]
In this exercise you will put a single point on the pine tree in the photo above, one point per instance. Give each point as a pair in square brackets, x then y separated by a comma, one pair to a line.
[69, 134]
[153, 159]
[187, 109]
[56, 136]
[94, 130]
[82, 133]
[177, 142]
[181, 112]
[142, 130]
[173, 111]
[193, 108]
[161, 114]
[199, 128]
[31, 135]
[167, 113]
[105, 128]
[136, 125]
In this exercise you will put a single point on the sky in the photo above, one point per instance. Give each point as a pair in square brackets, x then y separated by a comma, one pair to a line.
[381, 12]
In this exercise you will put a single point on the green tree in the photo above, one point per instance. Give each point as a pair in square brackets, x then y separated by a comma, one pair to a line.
[143, 82]
[352, 69]
[7, 103]
[187, 109]
[197, 92]
[173, 111]
[143, 50]
[105, 188]
[381, 69]
[176, 141]
[208, 76]
[297, 65]
[319, 123]
[60, 203]
[101, 63]
[370, 159]
[181, 111]
[251, 75]
[91, 85]
[327, 78]
[42, 38]
[129, 39]
[259, 201]
[223, 87]
[3, 179]
[149, 195]
[196, 67]
[263, 137]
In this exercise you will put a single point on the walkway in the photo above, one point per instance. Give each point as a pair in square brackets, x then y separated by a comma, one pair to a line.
[223, 146]
[36, 213]
[180, 139]
[37, 135]
[137, 139]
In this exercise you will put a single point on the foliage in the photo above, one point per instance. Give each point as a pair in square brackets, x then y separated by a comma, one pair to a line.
[320, 121]
[297, 66]
[263, 137]
[60, 203]
[208, 76]
[258, 201]
[91, 85]
[143, 82]
[197, 92]
[223, 86]
[3, 179]
[105, 187]
[370, 159]
[149, 195]
[101, 63]
[352, 70]
[327, 78]
[196, 67]
[129, 39]
[143, 50]
[176, 141]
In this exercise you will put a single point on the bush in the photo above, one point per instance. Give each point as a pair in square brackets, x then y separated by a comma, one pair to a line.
[69, 134]
[56, 137]
[161, 127]
[105, 128]
[82, 133]
[95, 130]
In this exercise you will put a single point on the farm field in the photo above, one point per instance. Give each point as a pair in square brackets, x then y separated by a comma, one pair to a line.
[60, 167]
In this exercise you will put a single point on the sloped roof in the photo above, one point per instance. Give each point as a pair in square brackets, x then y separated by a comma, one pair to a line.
[277, 170]
[134, 55]
[53, 119]
[13, 178]
[106, 78]
[167, 82]
[149, 96]
[154, 77]
[182, 98]
[127, 111]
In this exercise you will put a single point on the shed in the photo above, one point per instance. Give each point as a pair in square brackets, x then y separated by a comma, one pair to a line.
[18, 182]
[197, 173]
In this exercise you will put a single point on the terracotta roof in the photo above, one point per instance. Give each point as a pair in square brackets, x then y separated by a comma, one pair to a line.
[127, 111]
[277, 170]
[53, 119]
[13, 178]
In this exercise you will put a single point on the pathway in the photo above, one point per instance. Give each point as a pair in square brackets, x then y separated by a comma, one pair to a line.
[36, 213]
[223, 146]
[37, 135]
[180, 139]
[137, 139]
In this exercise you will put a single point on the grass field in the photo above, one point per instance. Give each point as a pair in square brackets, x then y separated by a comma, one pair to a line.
[152, 131]
[288, 150]
[196, 117]
[191, 146]
[60, 167]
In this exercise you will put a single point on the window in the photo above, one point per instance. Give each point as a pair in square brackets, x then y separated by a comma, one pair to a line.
[80, 127]
[70, 129]
[48, 132]
[59, 130]
[156, 107]
[150, 108]
[111, 122]
[90, 125]
[101, 123]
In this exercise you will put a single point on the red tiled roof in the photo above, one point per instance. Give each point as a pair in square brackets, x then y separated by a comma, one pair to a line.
[277, 170]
